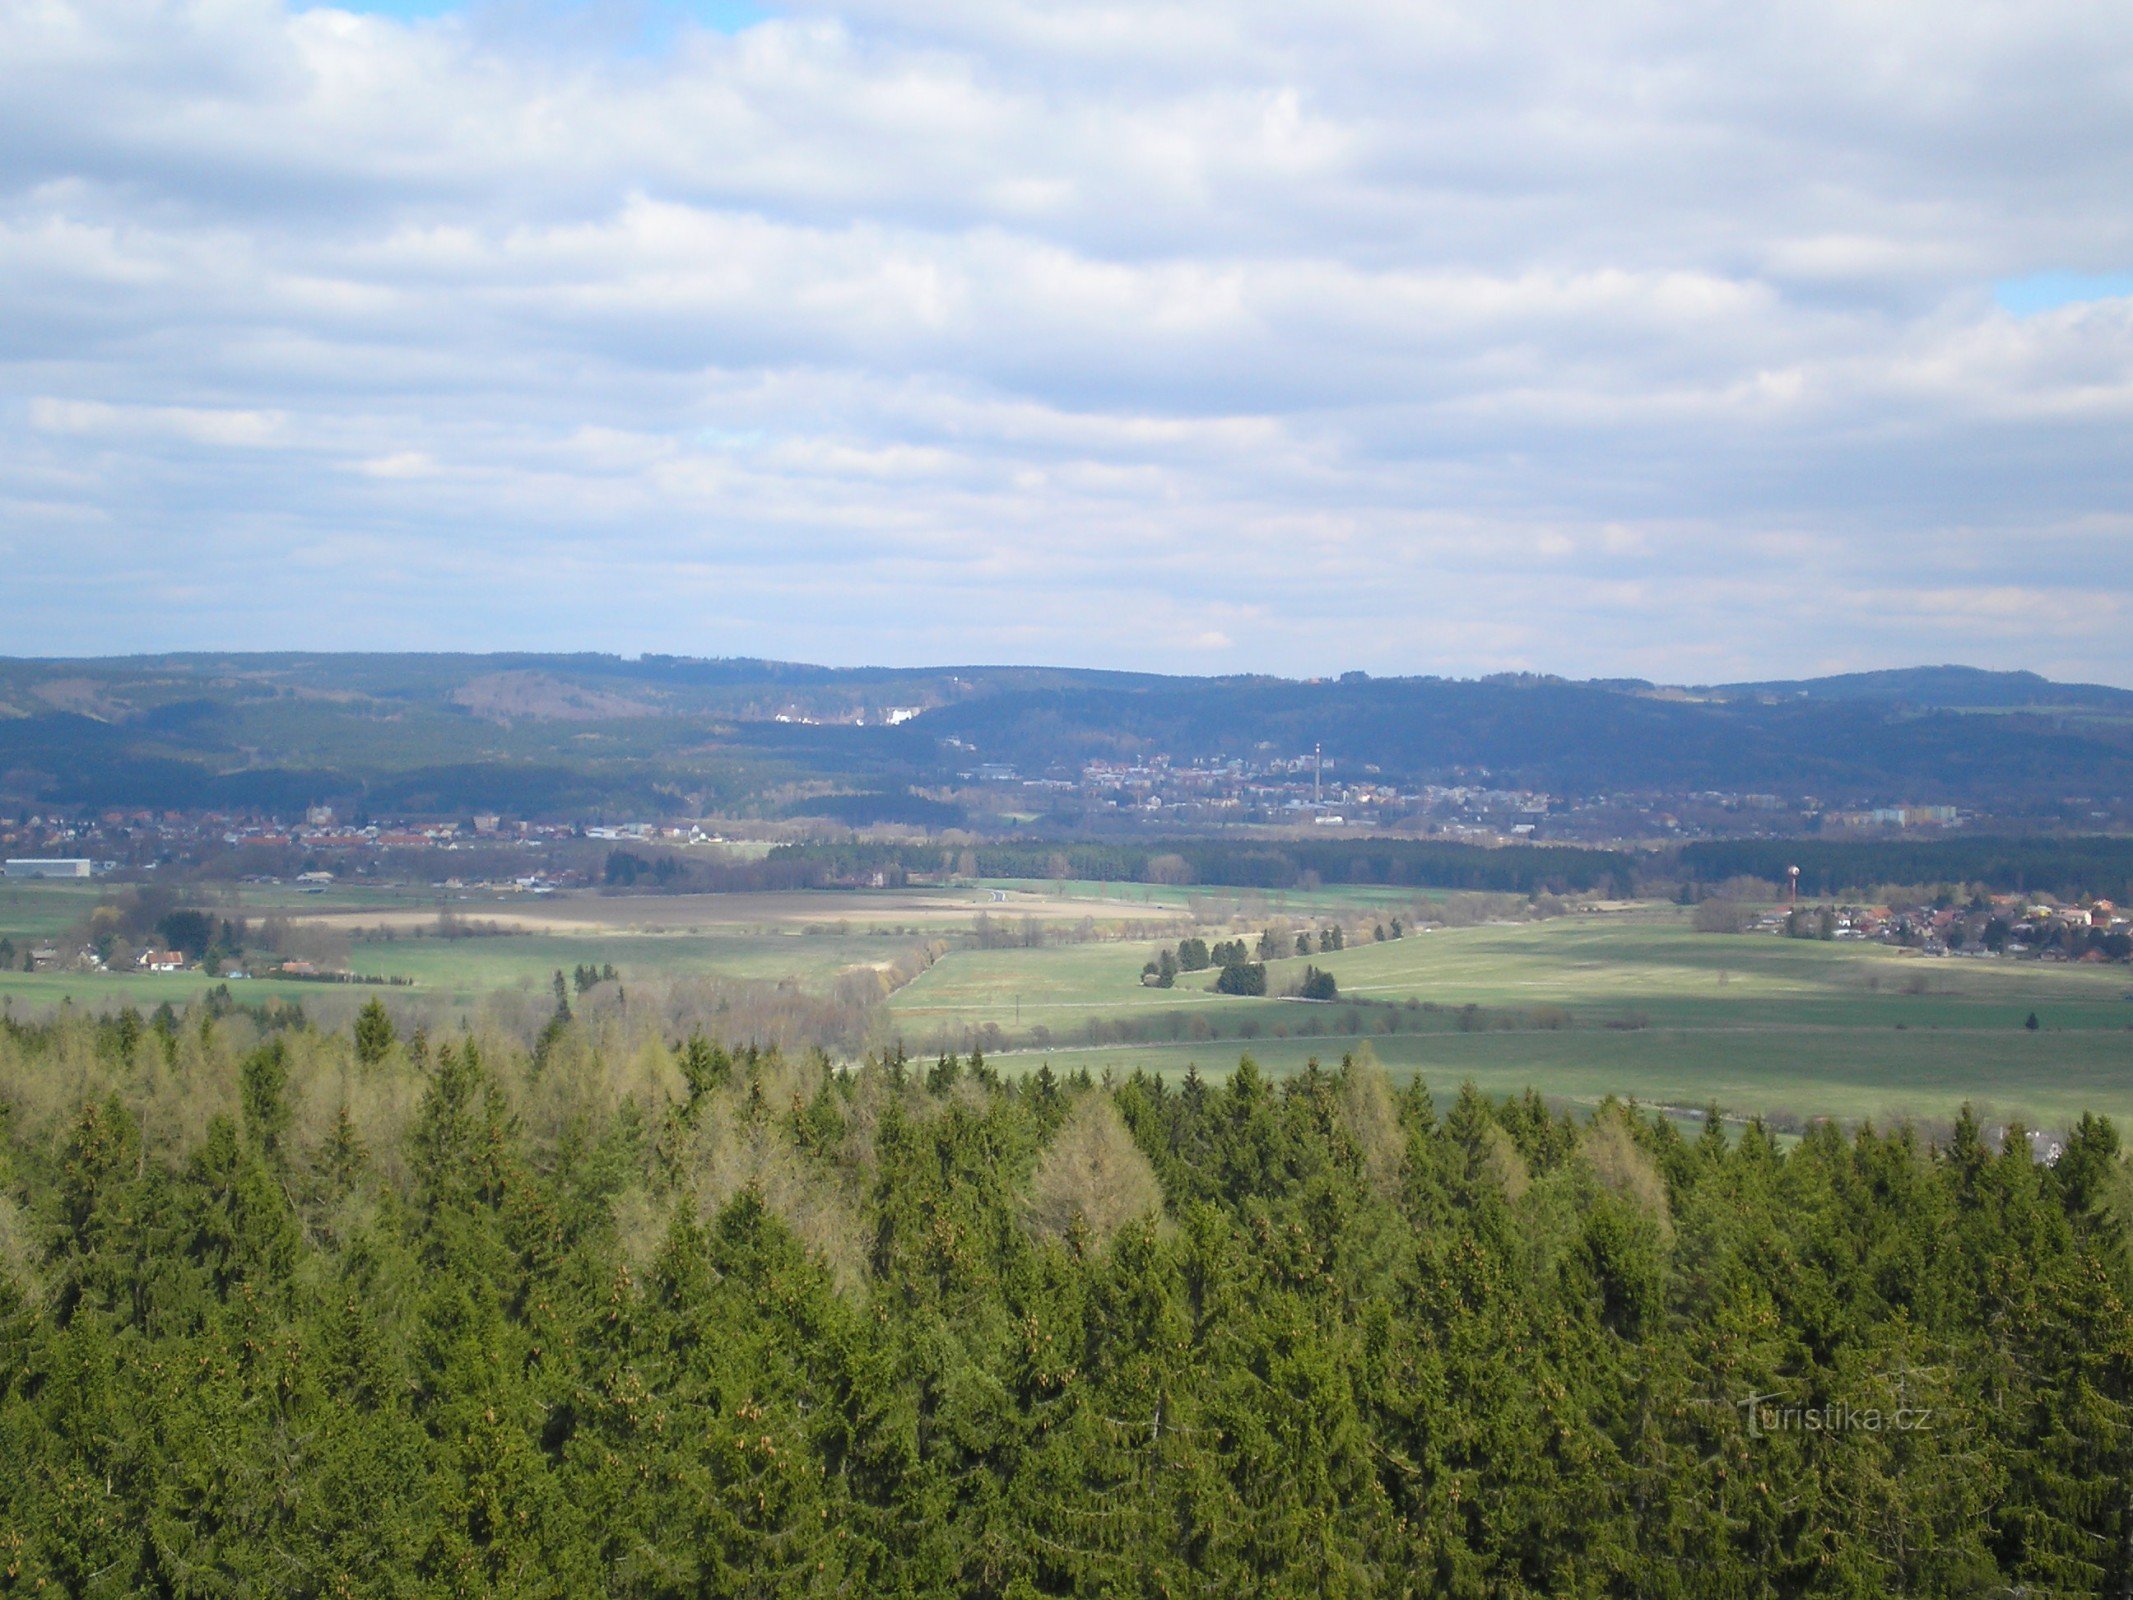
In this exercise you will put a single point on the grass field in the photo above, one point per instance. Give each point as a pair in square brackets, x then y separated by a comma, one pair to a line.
[807, 937]
[1649, 965]
[1057, 987]
[1353, 899]
[2048, 1078]
[1630, 1002]
[1646, 968]
[464, 969]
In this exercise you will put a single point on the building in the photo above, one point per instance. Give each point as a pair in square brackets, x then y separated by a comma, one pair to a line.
[49, 867]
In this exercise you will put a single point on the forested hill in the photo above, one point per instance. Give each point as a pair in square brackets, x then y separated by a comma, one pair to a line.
[582, 735]
[1574, 737]
[1944, 688]
[293, 1313]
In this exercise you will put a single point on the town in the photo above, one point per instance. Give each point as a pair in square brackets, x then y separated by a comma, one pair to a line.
[1274, 794]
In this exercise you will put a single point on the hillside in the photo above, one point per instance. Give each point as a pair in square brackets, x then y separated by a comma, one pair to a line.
[585, 734]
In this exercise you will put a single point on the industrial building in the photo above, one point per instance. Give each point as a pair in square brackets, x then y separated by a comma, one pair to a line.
[49, 867]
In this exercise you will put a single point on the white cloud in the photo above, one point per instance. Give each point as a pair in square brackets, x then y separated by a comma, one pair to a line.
[400, 464]
[1431, 337]
[193, 424]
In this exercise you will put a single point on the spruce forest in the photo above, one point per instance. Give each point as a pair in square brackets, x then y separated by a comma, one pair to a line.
[286, 1311]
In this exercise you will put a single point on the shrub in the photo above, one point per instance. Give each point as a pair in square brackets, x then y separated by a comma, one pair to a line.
[1721, 916]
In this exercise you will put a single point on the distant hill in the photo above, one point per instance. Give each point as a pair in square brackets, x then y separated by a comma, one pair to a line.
[1945, 688]
[560, 734]
[1575, 738]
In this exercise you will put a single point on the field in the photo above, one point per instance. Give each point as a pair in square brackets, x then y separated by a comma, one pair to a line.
[1631, 1003]
[2047, 1080]
[515, 942]
[1627, 1001]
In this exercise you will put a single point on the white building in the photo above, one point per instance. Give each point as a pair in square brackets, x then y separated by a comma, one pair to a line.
[48, 867]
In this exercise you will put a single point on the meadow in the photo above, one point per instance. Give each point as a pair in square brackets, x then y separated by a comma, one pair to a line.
[1628, 1001]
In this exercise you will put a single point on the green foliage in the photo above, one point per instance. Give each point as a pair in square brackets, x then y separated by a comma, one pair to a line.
[374, 1035]
[949, 1335]
[1242, 977]
[585, 975]
[263, 1082]
[189, 931]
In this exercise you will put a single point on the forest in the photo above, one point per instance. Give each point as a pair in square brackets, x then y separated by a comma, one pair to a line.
[293, 1311]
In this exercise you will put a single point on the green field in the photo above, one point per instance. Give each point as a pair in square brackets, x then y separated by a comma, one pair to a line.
[1645, 968]
[806, 938]
[463, 969]
[1629, 1002]
[2048, 1079]
[1353, 899]
[1061, 987]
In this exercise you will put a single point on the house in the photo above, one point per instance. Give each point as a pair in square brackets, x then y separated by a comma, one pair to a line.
[162, 961]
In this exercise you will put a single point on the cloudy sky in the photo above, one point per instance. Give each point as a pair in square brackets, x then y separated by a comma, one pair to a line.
[1692, 341]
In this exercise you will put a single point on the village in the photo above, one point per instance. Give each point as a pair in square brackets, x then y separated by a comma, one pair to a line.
[2004, 926]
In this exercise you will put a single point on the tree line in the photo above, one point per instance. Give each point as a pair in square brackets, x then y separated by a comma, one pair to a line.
[2047, 863]
[2071, 866]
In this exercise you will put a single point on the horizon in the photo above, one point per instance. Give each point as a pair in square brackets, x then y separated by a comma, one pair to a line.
[1332, 675]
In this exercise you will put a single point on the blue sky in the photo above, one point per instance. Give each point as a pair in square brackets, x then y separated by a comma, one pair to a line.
[1209, 335]
[2048, 291]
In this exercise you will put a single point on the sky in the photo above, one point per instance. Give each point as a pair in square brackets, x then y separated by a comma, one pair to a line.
[1693, 342]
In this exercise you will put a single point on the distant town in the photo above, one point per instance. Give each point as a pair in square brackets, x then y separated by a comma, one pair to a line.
[1309, 791]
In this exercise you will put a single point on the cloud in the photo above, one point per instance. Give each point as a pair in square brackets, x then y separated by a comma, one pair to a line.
[400, 464]
[192, 424]
[1590, 338]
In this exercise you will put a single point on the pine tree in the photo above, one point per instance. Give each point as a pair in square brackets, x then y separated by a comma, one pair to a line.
[374, 1036]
